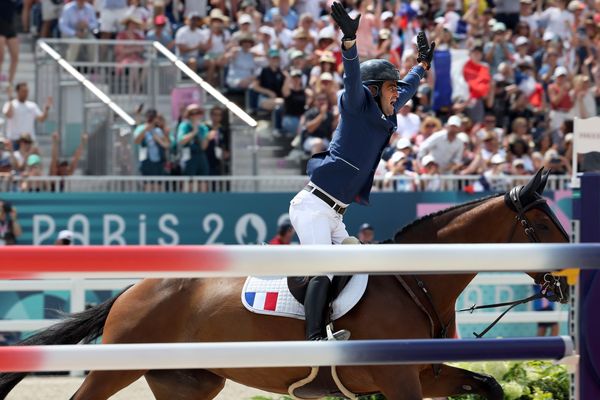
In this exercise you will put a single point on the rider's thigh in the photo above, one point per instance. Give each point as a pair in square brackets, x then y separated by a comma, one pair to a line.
[338, 230]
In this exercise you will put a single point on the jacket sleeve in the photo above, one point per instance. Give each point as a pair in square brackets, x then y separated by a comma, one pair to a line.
[408, 86]
[354, 93]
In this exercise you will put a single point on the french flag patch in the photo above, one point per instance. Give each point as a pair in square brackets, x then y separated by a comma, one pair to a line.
[262, 300]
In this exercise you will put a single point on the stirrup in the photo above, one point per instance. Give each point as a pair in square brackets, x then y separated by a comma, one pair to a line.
[342, 334]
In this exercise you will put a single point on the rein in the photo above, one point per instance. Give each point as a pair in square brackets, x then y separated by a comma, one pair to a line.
[551, 288]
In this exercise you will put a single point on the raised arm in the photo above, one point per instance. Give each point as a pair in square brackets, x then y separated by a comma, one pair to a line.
[354, 93]
[408, 86]
[78, 153]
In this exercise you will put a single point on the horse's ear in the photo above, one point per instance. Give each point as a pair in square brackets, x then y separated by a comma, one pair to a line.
[542, 186]
[533, 185]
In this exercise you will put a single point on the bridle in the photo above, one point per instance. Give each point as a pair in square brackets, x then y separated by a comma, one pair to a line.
[521, 218]
[551, 286]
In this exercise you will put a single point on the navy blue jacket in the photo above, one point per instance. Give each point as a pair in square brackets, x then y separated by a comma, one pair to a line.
[346, 169]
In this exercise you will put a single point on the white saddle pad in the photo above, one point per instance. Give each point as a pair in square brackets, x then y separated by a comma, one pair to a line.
[271, 296]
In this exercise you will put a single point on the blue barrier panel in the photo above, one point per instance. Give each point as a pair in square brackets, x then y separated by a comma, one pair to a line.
[589, 317]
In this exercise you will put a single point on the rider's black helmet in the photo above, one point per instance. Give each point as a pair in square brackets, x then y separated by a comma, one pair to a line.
[375, 72]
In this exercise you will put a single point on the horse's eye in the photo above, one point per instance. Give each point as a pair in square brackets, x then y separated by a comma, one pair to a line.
[541, 226]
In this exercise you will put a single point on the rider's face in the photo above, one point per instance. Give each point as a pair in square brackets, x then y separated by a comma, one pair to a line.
[389, 95]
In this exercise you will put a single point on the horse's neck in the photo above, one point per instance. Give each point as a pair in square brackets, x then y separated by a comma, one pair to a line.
[468, 224]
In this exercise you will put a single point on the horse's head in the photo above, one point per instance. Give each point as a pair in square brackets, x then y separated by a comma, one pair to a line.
[535, 222]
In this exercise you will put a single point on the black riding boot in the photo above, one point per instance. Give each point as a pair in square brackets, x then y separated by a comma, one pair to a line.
[316, 307]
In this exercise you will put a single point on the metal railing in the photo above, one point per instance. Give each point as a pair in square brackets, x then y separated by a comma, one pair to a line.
[130, 80]
[66, 67]
[245, 184]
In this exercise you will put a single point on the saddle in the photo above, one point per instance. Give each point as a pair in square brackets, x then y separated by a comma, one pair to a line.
[284, 297]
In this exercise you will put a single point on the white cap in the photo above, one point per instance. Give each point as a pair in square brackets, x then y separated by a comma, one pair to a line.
[386, 15]
[499, 27]
[266, 29]
[65, 234]
[428, 159]
[397, 156]
[409, 103]
[326, 76]
[548, 36]
[521, 40]
[439, 20]
[498, 159]
[560, 71]
[463, 137]
[326, 33]
[518, 161]
[575, 5]
[402, 143]
[245, 19]
[454, 121]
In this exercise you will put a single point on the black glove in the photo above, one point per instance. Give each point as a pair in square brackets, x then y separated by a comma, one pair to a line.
[425, 50]
[348, 25]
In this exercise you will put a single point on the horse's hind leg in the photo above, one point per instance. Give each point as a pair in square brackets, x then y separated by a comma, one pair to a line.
[184, 384]
[100, 385]
[454, 381]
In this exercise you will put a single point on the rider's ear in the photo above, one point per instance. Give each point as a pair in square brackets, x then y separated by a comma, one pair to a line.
[374, 90]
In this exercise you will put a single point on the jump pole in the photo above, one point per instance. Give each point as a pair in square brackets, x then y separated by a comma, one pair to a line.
[23, 262]
[277, 354]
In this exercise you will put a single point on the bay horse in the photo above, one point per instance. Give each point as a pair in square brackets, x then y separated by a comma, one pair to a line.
[393, 307]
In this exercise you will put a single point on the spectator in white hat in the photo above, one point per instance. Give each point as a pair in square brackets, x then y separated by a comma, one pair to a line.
[64, 238]
[245, 27]
[499, 49]
[522, 55]
[561, 101]
[398, 178]
[444, 146]
[495, 174]
[387, 22]
[430, 180]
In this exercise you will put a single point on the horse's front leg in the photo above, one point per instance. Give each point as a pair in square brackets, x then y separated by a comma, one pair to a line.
[454, 381]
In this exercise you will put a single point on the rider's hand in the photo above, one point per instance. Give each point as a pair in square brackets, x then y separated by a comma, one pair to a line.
[348, 25]
[425, 49]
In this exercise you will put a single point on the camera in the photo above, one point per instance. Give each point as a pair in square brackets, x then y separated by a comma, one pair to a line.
[7, 207]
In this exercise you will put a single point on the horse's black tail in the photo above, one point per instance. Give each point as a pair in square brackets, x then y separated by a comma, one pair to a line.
[84, 326]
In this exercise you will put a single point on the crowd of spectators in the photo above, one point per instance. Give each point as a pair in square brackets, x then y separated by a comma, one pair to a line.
[508, 77]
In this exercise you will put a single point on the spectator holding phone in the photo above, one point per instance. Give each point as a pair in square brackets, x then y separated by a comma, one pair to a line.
[10, 228]
[193, 135]
[153, 143]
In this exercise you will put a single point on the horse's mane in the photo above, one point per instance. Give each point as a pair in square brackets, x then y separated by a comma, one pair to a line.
[466, 206]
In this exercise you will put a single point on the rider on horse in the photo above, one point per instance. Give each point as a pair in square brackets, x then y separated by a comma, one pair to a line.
[373, 94]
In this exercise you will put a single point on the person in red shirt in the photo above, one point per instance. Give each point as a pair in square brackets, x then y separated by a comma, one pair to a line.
[477, 75]
[285, 233]
[561, 101]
